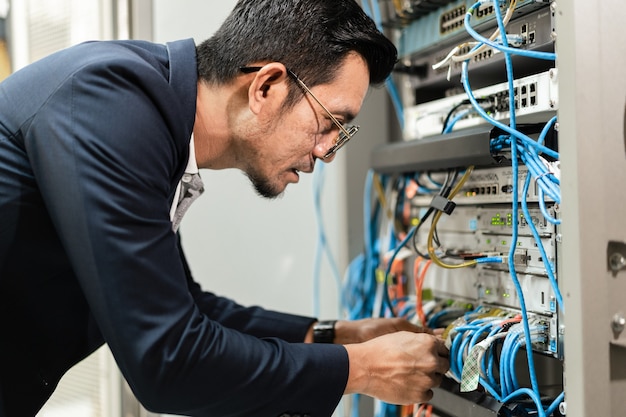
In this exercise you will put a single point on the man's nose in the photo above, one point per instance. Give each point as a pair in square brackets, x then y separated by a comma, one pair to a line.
[322, 147]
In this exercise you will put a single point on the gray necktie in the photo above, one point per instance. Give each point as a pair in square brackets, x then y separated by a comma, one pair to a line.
[191, 188]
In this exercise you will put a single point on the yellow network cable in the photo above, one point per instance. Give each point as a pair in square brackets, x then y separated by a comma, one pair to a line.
[431, 232]
[399, 8]
[378, 186]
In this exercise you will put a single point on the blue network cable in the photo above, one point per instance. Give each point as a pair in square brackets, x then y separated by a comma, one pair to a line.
[360, 283]
[322, 247]
[387, 301]
[359, 290]
[509, 386]
[502, 47]
[526, 150]
[528, 146]
[373, 11]
[535, 233]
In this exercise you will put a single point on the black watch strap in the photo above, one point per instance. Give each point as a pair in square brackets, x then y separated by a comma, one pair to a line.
[324, 331]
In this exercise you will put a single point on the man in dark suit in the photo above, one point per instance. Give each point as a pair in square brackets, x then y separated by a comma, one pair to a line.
[100, 145]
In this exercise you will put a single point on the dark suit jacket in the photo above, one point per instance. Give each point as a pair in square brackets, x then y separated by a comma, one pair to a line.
[93, 141]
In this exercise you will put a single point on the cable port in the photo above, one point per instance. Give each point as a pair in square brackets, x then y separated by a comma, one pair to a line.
[483, 190]
[452, 20]
[532, 94]
[501, 101]
[484, 10]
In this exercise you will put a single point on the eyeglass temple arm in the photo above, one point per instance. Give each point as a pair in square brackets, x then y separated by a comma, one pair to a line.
[250, 70]
[332, 117]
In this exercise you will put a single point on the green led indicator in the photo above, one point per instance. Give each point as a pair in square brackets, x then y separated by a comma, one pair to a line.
[497, 221]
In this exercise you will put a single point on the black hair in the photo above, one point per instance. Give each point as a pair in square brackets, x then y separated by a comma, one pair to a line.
[310, 37]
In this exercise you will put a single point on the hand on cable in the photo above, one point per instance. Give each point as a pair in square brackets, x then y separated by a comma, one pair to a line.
[356, 331]
[397, 368]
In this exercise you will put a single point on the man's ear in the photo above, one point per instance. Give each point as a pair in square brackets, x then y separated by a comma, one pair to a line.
[269, 88]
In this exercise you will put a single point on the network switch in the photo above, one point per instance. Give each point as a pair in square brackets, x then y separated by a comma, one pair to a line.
[487, 186]
[445, 25]
[533, 31]
[535, 101]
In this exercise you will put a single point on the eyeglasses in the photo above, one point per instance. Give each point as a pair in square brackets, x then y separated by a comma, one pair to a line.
[346, 132]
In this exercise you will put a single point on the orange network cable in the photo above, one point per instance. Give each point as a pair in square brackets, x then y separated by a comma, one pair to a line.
[419, 277]
[515, 319]
[425, 410]
[397, 271]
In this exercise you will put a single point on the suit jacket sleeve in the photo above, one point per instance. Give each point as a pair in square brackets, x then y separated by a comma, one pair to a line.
[106, 150]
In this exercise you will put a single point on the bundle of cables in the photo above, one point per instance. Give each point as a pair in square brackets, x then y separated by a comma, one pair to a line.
[483, 345]
[528, 151]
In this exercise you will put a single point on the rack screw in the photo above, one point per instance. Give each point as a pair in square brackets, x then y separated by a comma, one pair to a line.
[619, 322]
[617, 262]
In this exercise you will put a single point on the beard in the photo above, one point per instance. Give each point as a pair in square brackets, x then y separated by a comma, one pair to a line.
[247, 155]
[263, 186]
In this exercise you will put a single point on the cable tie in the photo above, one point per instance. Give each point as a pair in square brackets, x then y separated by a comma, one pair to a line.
[545, 174]
[443, 204]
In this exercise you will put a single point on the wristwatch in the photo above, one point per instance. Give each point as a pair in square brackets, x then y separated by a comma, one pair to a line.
[324, 331]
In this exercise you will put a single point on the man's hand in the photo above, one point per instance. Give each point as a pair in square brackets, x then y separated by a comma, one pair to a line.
[398, 368]
[358, 331]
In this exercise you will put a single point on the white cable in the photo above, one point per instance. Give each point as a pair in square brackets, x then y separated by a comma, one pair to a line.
[452, 57]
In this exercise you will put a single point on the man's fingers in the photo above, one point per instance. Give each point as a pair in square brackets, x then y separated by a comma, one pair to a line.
[437, 379]
[443, 365]
[425, 397]
[442, 350]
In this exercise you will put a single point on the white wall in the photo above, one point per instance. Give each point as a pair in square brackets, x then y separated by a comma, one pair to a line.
[239, 245]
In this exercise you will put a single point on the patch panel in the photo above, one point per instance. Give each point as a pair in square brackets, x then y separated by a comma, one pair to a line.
[547, 345]
[462, 234]
[492, 288]
[452, 20]
[536, 100]
[407, 10]
[487, 54]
